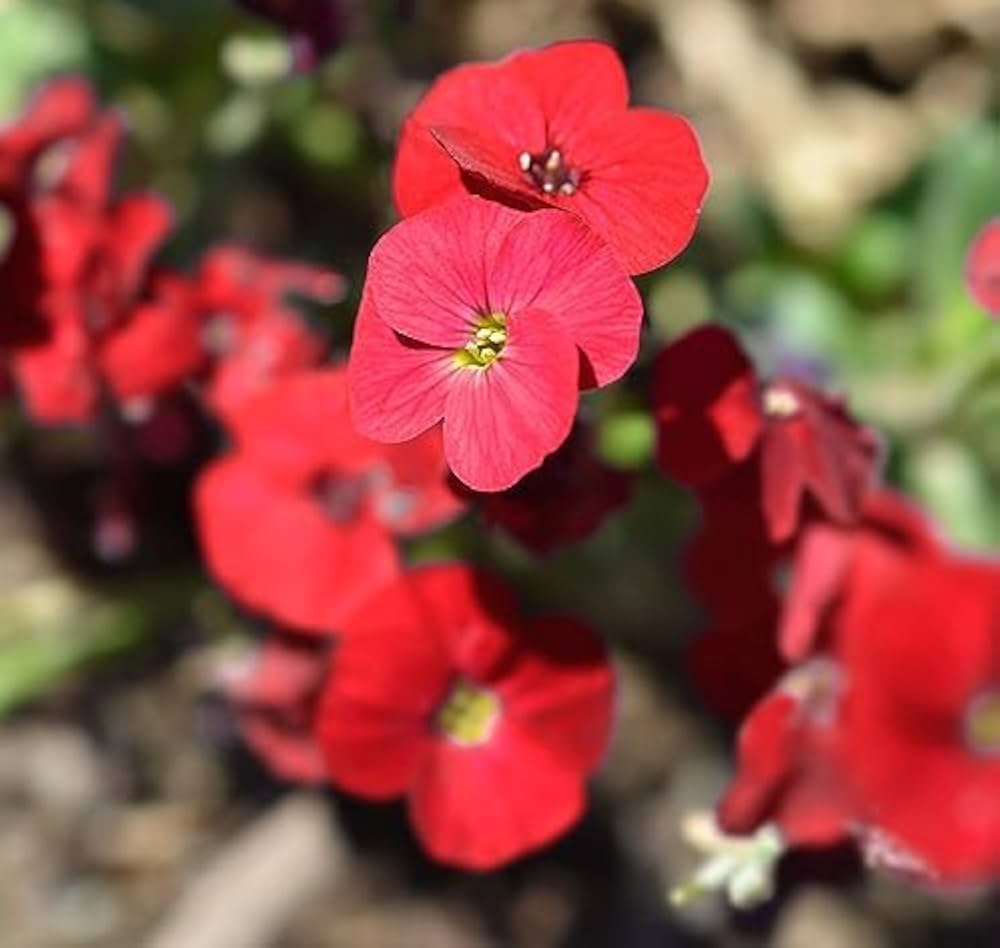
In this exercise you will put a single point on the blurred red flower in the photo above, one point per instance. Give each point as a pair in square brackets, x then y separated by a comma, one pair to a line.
[823, 561]
[982, 268]
[275, 696]
[788, 771]
[562, 502]
[299, 521]
[248, 329]
[713, 414]
[489, 726]
[90, 256]
[918, 638]
[552, 127]
[59, 110]
[489, 320]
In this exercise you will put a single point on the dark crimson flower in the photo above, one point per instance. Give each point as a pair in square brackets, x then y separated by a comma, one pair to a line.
[248, 328]
[562, 502]
[735, 660]
[713, 414]
[982, 268]
[488, 725]
[732, 565]
[788, 770]
[315, 27]
[275, 696]
[918, 640]
[552, 127]
[299, 522]
[488, 320]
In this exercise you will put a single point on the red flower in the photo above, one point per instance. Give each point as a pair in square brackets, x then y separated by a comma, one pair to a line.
[59, 110]
[982, 268]
[788, 771]
[824, 559]
[275, 697]
[735, 660]
[488, 726]
[564, 501]
[299, 521]
[316, 27]
[921, 719]
[93, 256]
[553, 127]
[247, 325]
[713, 414]
[489, 320]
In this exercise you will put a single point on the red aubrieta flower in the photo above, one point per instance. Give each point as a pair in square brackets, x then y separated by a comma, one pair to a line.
[552, 127]
[274, 696]
[93, 255]
[564, 501]
[250, 331]
[59, 110]
[788, 771]
[489, 320]
[982, 268]
[713, 414]
[299, 521]
[821, 568]
[921, 717]
[734, 661]
[488, 725]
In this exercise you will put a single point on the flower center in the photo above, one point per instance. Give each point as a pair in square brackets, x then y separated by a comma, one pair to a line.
[550, 172]
[468, 715]
[489, 336]
[781, 402]
[219, 334]
[982, 724]
[339, 496]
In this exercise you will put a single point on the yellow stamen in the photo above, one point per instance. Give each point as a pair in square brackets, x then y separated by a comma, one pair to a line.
[469, 714]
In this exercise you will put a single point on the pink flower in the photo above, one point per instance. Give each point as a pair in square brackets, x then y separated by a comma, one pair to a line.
[489, 321]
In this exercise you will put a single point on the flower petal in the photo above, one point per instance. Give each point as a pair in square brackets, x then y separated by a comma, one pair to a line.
[645, 180]
[560, 690]
[706, 405]
[398, 387]
[428, 276]
[481, 97]
[479, 808]
[502, 421]
[982, 268]
[553, 262]
[274, 550]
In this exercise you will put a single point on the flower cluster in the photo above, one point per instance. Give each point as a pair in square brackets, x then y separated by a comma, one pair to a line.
[853, 645]
[530, 191]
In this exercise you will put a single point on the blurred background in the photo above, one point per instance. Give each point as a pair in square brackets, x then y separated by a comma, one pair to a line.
[855, 152]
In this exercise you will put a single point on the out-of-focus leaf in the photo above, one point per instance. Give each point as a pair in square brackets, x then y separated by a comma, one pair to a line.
[36, 39]
[945, 477]
[625, 439]
[51, 627]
